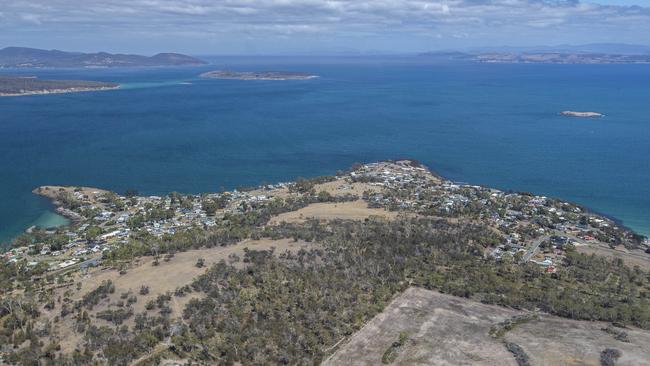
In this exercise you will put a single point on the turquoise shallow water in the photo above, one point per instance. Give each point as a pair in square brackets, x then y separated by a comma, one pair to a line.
[496, 125]
[49, 219]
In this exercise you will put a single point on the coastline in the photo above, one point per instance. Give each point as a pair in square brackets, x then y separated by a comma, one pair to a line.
[60, 91]
[51, 192]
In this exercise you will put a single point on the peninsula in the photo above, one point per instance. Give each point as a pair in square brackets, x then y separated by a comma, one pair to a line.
[258, 75]
[370, 266]
[20, 57]
[30, 85]
[582, 114]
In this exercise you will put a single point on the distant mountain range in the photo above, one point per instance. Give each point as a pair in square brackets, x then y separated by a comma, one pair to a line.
[601, 53]
[561, 58]
[608, 48]
[20, 57]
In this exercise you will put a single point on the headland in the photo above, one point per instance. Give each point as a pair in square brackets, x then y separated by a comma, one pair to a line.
[12, 86]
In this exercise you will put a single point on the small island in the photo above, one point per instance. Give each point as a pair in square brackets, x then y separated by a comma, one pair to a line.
[11, 86]
[258, 75]
[582, 114]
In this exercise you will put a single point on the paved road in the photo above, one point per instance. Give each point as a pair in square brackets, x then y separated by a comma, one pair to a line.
[533, 248]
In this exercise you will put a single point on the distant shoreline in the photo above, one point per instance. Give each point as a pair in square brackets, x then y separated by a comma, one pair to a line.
[258, 75]
[59, 91]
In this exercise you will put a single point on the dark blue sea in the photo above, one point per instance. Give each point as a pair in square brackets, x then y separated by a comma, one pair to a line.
[495, 125]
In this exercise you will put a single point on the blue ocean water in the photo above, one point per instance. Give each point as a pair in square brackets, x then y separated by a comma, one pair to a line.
[496, 125]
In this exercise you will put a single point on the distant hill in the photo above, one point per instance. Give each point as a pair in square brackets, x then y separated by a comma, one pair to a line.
[592, 48]
[561, 58]
[584, 54]
[21, 57]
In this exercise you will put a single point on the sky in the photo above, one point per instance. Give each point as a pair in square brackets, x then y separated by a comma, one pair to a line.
[204, 27]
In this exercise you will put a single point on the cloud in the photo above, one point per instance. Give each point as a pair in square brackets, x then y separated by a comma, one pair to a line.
[350, 22]
[31, 18]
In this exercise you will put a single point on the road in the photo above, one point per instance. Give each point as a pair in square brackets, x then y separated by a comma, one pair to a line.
[533, 247]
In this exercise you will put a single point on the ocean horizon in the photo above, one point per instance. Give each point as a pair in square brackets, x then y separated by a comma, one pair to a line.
[497, 125]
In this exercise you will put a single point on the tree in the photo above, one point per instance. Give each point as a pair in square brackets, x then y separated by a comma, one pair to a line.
[144, 290]
[57, 241]
[22, 240]
[609, 356]
[209, 206]
[324, 196]
[92, 232]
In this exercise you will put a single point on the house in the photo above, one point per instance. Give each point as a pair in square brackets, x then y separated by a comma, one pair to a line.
[91, 263]
[112, 234]
[67, 263]
[551, 269]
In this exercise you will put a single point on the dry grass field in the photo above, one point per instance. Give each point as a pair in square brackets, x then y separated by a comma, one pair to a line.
[355, 210]
[340, 187]
[447, 330]
[555, 341]
[630, 257]
[167, 276]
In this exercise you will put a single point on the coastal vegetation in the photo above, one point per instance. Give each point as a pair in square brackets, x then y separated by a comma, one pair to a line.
[286, 308]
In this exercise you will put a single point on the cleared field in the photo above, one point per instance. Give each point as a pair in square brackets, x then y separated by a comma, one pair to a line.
[630, 257]
[447, 330]
[355, 210]
[179, 271]
[555, 341]
[442, 330]
[340, 187]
